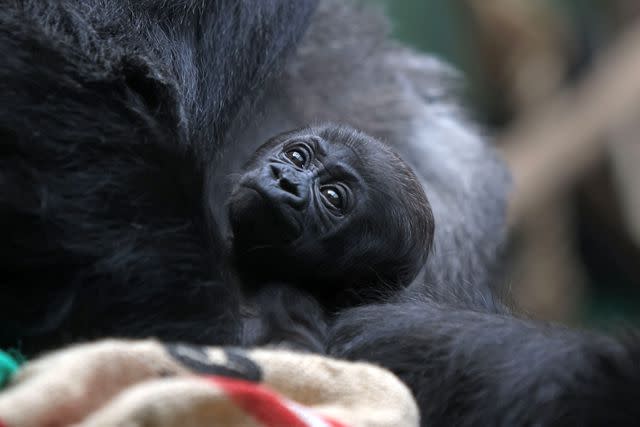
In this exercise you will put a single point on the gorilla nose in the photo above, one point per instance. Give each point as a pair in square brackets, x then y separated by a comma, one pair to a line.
[289, 187]
[286, 179]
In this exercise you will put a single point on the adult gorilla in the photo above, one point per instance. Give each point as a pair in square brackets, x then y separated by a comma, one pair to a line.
[118, 116]
[111, 113]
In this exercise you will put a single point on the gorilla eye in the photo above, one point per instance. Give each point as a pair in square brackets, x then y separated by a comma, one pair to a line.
[296, 156]
[333, 196]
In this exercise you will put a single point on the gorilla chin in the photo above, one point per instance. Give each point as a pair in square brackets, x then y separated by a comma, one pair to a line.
[258, 219]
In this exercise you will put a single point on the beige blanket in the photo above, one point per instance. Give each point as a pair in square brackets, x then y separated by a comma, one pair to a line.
[147, 383]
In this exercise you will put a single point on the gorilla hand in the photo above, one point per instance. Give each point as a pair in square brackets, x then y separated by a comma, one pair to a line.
[286, 316]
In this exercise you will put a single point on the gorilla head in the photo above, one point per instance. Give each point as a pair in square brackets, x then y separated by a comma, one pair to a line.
[330, 209]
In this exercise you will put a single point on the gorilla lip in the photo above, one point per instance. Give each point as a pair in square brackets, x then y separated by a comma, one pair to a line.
[291, 226]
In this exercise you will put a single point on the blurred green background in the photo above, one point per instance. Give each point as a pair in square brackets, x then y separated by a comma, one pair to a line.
[587, 271]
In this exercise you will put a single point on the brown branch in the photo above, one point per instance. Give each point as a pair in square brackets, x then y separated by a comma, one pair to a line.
[549, 149]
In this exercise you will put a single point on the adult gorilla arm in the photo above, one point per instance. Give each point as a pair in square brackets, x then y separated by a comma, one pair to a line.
[109, 111]
[470, 368]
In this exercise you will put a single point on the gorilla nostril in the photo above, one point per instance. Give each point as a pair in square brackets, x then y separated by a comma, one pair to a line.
[289, 186]
[275, 172]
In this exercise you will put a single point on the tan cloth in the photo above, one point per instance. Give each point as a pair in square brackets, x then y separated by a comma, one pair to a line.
[146, 383]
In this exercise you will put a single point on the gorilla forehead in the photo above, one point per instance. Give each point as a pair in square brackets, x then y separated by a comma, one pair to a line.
[387, 176]
[345, 149]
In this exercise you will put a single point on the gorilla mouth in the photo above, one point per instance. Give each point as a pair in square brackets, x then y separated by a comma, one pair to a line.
[258, 220]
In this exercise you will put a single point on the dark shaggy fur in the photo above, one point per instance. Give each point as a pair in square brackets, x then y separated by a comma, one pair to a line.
[120, 121]
[110, 112]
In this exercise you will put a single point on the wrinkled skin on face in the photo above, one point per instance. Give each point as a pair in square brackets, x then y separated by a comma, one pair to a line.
[331, 210]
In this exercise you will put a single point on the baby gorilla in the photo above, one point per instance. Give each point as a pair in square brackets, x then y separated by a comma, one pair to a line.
[323, 218]
[331, 211]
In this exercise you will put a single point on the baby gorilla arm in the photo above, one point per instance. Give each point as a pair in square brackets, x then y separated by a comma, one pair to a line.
[283, 315]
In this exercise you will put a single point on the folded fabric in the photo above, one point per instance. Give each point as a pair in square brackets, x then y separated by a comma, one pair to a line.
[147, 383]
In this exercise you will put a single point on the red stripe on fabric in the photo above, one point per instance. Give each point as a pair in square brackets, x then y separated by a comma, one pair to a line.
[261, 403]
[331, 422]
[2, 424]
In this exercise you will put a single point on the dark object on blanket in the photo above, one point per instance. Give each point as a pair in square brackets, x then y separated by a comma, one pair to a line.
[117, 117]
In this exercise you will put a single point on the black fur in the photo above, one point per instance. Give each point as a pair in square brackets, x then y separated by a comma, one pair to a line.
[118, 116]
[287, 317]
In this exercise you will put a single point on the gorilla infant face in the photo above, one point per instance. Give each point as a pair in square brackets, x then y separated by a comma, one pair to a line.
[330, 207]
